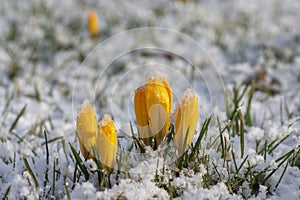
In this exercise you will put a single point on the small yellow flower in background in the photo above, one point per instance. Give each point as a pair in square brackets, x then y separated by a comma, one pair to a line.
[87, 129]
[93, 23]
[186, 120]
[107, 142]
[153, 105]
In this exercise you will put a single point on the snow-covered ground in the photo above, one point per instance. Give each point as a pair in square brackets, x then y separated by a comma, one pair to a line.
[49, 65]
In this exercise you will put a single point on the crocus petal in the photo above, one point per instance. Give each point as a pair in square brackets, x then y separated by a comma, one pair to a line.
[159, 105]
[86, 129]
[107, 142]
[186, 120]
[141, 114]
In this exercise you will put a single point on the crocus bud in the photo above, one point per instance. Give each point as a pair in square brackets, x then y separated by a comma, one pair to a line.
[93, 23]
[153, 104]
[107, 142]
[87, 129]
[186, 120]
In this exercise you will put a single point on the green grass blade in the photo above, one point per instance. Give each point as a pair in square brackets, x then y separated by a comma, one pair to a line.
[17, 118]
[221, 139]
[242, 134]
[241, 165]
[79, 162]
[137, 141]
[278, 143]
[36, 184]
[7, 192]
[202, 133]
[234, 161]
[47, 149]
[53, 140]
[248, 118]
[67, 188]
[46, 180]
[277, 184]
[54, 175]
[284, 158]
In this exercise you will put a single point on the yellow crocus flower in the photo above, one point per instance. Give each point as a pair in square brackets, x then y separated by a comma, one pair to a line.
[107, 142]
[153, 104]
[87, 129]
[186, 120]
[93, 23]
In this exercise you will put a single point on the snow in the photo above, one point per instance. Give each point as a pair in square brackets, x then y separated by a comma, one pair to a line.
[49, 63]
[218, 191]
[255, 134]
[106, 119]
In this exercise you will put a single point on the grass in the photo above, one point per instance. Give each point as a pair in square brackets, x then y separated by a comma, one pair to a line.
[226, 154]
[195, 156]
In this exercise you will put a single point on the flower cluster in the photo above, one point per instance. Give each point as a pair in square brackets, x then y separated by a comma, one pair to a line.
[153, 107]
[104, 138]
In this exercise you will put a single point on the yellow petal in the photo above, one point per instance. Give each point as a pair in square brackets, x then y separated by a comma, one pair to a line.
[186, 121]
[141, 114]
[87, 129]
[107, 142]
[159, 106]
[93, 23]
[169, 90]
